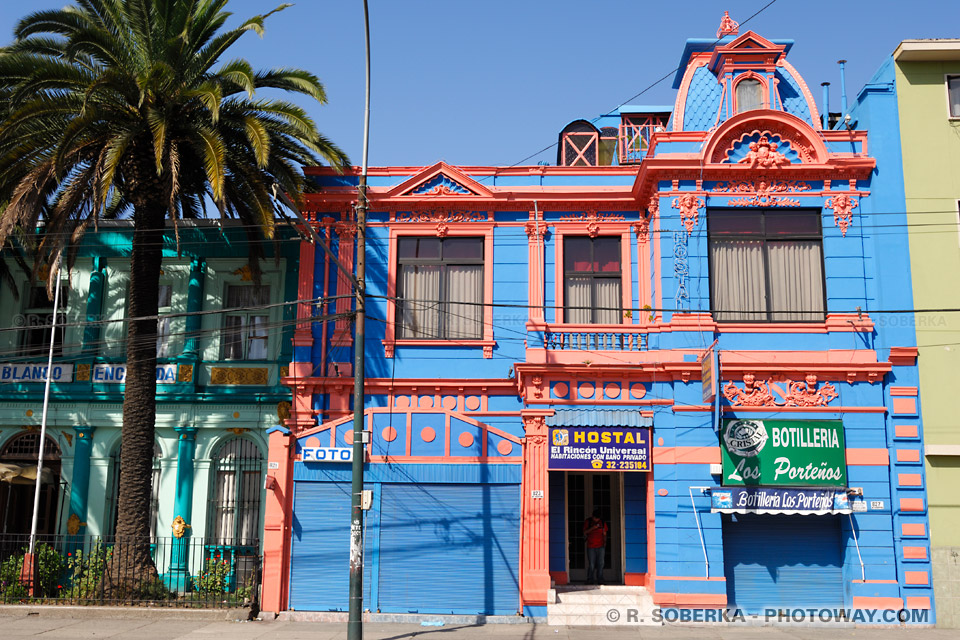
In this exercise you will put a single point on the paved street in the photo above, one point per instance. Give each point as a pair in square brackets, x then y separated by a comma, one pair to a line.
[149, 625]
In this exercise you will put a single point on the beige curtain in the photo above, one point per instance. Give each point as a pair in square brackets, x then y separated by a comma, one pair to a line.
[463, 319]
[577, 299]
[796, 281]
[420, 309]
[737, 280]
[608, 300]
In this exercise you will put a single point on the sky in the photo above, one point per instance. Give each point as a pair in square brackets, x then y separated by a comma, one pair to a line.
[492, 82]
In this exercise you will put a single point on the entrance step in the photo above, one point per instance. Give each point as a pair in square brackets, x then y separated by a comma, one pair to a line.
[600, 605]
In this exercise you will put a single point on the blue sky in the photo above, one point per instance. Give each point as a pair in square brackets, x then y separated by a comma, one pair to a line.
[490, 82]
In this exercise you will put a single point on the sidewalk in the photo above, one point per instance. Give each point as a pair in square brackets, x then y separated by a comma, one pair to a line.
[145, 624]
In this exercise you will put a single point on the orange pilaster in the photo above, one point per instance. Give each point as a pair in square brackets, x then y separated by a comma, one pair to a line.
[535, 521]
[276, 529]
[302, 336]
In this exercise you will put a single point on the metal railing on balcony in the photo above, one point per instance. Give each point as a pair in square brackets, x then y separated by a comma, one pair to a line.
[635, 134]
[585, 337]
[162, 572]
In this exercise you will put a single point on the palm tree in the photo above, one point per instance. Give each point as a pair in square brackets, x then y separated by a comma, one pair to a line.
[124, 107]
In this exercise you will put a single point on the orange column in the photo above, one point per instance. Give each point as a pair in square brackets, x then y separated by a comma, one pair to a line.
[302, 336]
[535, 229]
[277, 519]
[535, 522]
[346, 232]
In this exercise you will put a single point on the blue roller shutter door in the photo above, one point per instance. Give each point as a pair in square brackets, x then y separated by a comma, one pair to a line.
[320, 550]
[450, 548]
[774, 562]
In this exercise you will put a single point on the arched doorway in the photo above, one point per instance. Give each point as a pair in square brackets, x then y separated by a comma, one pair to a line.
[18, 465]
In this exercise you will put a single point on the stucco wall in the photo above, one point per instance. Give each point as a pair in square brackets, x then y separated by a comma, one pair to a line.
[931, 155]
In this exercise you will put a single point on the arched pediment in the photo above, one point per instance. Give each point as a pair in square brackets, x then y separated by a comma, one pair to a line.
[765, 138]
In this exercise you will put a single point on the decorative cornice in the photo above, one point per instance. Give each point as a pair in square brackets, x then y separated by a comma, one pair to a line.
[762, 192]
[438, 216]
[757, 393]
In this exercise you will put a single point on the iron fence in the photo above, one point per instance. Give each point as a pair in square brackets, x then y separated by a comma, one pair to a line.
[164, 572]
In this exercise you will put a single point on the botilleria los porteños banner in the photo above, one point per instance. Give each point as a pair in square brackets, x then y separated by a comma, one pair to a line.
[783, 453]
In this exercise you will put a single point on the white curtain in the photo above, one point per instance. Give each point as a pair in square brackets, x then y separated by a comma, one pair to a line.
[749, 95]
[420, 309]
[464, 284]
[608, 300]
[796, 281]
[249, 508]
[577, 298]
[257, 338]
[737, 280]
[225, 509]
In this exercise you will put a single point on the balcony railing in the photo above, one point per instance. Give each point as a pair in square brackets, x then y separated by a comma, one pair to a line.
[164, 572]
[590, 337]
[634, 138]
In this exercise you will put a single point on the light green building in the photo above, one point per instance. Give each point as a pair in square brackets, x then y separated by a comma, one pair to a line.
[221, 351]
[928, 95]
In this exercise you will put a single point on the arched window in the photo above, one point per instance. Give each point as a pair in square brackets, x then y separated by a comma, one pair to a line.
[18, 461]
[114, 496]
[235, 498]
[749, 95]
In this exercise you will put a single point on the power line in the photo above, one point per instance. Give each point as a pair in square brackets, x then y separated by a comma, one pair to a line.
[642, 91]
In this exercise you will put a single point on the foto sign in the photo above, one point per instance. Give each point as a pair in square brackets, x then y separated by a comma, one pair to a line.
[783, 453]
[599, 448]
[327, 454]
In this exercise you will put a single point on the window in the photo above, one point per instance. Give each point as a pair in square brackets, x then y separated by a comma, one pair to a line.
[591, 276]
[440, 288]
[245, 323]
[114, 497]
[235, 512]
[749, 95]
[37, 319]
[164, 303]
[953, 95]
[766, 266]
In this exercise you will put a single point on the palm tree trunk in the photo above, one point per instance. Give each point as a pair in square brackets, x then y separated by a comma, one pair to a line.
[132, 573]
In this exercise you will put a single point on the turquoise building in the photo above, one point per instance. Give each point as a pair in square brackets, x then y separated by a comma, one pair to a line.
[224, 343]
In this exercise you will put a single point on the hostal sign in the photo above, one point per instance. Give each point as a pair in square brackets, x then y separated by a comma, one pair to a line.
[783, 453]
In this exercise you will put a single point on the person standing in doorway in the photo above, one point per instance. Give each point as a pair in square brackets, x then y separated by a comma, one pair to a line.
[595, 531]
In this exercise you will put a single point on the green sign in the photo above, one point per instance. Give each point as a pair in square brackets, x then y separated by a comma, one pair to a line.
[783, 453]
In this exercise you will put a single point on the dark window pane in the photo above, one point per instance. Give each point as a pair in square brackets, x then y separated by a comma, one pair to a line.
[953, 90]
[576, 254]
[462, 249]
[734, 222]
[806, 223]
[425, 248]
[606, 255]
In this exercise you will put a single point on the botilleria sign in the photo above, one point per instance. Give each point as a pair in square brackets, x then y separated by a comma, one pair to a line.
[783, 453]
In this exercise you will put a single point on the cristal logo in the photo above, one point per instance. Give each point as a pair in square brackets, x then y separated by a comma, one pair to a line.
[745, 438]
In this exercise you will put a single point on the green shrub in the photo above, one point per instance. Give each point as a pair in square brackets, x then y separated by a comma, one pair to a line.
[85, 570]
[214, 578]
[50, 565]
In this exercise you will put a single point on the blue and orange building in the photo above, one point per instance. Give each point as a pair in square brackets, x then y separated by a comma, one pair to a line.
[687, 323]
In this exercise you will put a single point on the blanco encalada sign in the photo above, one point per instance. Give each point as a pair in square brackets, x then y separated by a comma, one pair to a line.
[35, 372]
[117, 373]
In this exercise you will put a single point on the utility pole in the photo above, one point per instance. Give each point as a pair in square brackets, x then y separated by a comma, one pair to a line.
[30, 566]
[355, 621]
